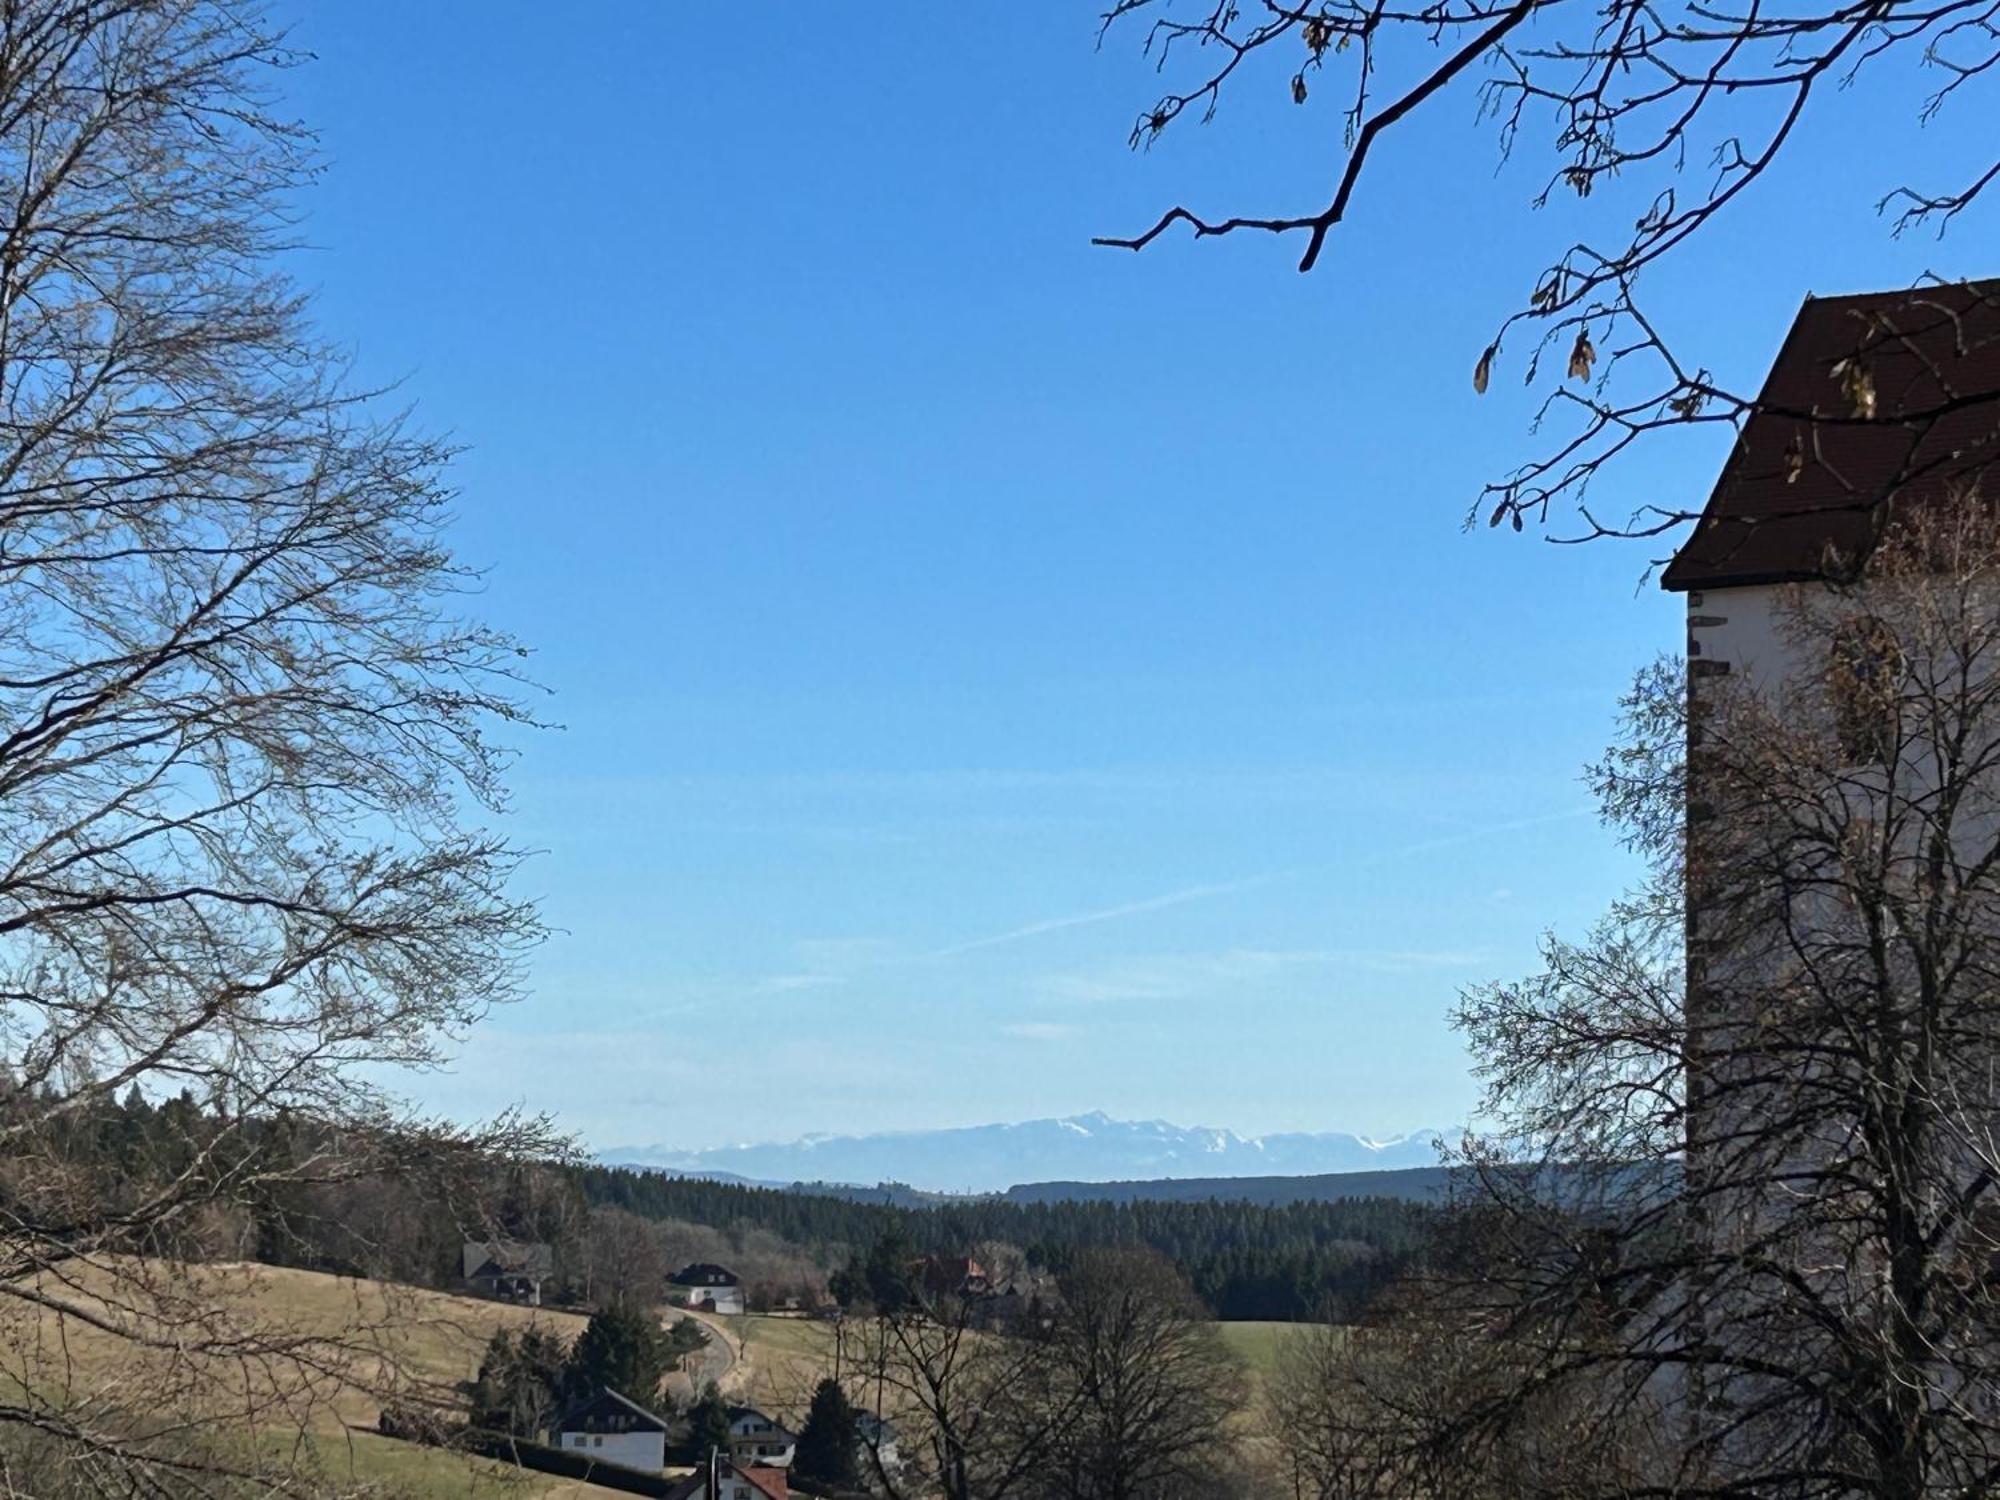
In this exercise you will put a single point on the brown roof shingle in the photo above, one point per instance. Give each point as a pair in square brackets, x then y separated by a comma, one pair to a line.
[1807, 474]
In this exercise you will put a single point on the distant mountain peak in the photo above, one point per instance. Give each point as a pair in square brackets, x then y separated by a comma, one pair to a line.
[1090, 1147]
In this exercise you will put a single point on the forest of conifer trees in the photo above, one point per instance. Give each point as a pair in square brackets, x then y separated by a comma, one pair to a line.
[1245, 1261]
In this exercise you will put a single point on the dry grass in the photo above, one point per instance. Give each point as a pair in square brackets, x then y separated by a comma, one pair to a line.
[786, 1358]
[315, 1352]
[354, 1339]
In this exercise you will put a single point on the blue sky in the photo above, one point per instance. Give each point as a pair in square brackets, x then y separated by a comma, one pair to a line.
[999, 676]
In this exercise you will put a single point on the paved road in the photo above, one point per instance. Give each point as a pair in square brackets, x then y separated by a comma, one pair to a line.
[724, 1361]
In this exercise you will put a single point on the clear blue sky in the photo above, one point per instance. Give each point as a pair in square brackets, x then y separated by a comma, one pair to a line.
[1000, 676]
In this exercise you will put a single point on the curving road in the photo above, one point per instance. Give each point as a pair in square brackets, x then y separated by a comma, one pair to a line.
[724, 1361]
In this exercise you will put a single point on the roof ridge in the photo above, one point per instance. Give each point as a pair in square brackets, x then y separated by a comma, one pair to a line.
[1894, 294]
[1803, 474]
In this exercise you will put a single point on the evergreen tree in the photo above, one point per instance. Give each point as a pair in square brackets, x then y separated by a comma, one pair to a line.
[621, 1348]
[887, 1272]
[686, 1337]
[826, 1444]
[708, 1425]
[1268, 1254]
[519, 1379]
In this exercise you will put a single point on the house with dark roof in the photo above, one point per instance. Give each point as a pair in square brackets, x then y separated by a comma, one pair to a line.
[612, 1428]
[1877, 407]
[510, 1269]
[723, 1478]
[707, 1287]
[1879, 410]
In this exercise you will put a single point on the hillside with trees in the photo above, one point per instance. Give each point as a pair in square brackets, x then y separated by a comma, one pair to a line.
[1245, 1260]
[616, 1232]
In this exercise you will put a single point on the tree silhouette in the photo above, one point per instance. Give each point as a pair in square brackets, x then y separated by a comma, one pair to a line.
[826, 1447]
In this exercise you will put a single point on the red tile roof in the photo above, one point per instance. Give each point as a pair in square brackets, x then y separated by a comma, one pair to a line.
[769, 1481]
[1806, 474]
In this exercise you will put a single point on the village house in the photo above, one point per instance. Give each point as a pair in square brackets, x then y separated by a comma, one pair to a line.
[707, 1287]
[725, 1479]
[951, 1275]
[614, 1429]
[754, 1437]
[512, 1270]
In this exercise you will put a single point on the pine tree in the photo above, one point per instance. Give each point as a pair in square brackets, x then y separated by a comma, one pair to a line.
[516, 1391]
[826, 1444]
[620, 1348]
[708, 1425]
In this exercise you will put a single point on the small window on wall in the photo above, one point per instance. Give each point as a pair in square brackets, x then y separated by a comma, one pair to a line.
[1865, 676]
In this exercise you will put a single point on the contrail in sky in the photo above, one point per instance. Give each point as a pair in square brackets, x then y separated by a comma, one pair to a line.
[1473, 835]
[1203, 892]
[1104, 914]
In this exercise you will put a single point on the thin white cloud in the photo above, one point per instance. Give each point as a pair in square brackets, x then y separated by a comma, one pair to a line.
[1223, 888]
[1102, 914]
[1183, 976]
[1490, 830]
[1176, 976]
[1404, 960]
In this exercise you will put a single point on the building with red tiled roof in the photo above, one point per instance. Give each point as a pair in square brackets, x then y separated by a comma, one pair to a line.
[723, 1478]
[956, 1274]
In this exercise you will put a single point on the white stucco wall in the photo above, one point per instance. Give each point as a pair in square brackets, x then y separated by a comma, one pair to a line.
[635, 1450]
[727, 1299]
[760, 1442]
[1741, 626]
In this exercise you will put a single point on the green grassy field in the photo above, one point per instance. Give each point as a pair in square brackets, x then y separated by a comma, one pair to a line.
[787, 1355]
[1259, 1345]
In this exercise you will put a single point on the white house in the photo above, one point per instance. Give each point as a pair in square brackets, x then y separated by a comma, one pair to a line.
[725, 1479]
[1776, 601]
[756, 1438]
[511, 1269]
[614, 1429]
[708, 1288]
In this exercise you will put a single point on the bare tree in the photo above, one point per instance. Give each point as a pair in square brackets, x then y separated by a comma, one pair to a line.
[1658, 116]
[1153, 1387]
[247, 741]
[1323, 1419]
[624, 1263]
[1390, 1411]
[1760, 1211]
[975, 1410]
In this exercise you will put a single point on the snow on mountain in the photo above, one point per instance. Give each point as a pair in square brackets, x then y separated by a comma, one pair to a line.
[1081, 1148]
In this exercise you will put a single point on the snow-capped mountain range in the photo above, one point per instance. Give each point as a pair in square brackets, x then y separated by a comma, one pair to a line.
[1078, 1148]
